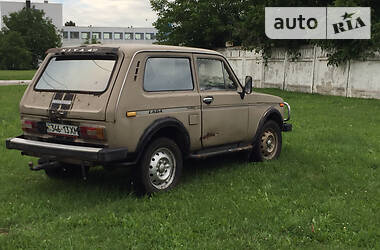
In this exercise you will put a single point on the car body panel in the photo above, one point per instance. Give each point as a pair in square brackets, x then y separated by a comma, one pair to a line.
[230, 118]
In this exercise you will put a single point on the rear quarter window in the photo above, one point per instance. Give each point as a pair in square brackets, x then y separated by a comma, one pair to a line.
[168, 74]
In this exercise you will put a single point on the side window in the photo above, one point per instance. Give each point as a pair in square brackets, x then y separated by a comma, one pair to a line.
[212, 75]
[228, 80]
[166, 74]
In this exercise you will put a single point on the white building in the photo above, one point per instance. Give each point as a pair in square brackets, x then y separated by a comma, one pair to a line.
[52, 10]
[76, 35]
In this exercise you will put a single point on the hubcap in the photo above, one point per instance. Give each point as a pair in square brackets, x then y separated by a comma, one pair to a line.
[268, 145]
[162, 168]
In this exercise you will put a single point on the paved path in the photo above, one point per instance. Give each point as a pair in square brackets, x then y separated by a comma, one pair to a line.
[14, 82]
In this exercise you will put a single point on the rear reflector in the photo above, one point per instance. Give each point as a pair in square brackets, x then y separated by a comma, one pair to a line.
[29, 126]
[92, 133]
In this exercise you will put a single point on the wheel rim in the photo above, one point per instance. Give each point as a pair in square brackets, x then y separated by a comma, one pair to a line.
[162, 168]
[269, 145]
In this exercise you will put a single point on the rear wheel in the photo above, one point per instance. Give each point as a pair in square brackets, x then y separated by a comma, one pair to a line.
[268, 143]
[160, 167]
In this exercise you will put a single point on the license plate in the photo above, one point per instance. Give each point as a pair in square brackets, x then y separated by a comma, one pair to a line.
[61, 129]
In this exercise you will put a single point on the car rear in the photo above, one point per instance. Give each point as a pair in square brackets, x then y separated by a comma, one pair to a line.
[63, 111]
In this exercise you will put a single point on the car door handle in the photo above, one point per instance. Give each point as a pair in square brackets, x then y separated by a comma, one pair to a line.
[208, 99]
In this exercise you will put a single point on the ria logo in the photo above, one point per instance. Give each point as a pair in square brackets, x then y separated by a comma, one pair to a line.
[318, 23]
[349, 23]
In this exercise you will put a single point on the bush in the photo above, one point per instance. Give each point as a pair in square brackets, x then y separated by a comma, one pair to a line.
[13, 52]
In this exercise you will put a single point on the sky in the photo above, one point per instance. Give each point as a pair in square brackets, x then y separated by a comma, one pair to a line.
[110, 13]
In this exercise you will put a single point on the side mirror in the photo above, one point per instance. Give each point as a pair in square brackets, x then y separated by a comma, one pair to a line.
[248, 85]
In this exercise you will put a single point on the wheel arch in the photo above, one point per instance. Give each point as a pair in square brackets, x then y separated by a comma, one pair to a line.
[165, 127]
[271, 114]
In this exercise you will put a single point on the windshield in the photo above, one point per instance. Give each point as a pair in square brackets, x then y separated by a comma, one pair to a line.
[76, 74]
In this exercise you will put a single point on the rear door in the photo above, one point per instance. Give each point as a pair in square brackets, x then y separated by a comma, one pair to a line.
[224, 113]
[73, 86]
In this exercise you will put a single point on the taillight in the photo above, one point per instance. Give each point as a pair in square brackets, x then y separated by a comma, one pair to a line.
[29, 126]
[92, 133]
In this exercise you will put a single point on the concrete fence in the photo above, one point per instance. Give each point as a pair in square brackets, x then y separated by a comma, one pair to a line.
[309, 73]
[14, 82]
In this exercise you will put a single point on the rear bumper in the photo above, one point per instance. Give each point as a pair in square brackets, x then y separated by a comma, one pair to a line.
[92, 154]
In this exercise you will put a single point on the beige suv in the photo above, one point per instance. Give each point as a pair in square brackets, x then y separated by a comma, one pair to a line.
[149, 107]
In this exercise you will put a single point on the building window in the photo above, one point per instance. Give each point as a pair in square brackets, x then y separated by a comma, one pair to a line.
[118, 36]
[96, 35]
[74, 35]
[167, 74]
[107, 36]
[149, 36]
[139, 36]
[65, 35]
[85, 35]
[128, 36]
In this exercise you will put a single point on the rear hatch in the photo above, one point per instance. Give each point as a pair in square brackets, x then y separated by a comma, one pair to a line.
[74, 83]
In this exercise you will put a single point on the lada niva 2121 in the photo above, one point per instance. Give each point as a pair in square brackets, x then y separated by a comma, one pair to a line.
[150, 107]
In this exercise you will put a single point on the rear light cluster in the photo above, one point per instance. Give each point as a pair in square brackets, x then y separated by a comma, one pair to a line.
[85, 132]
[29, 126]
[92, 133]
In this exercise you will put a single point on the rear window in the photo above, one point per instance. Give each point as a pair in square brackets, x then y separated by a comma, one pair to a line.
[77, 74]
[167, 74]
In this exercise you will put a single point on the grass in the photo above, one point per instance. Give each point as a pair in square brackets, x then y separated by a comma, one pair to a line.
[17, 74]
[323, 192]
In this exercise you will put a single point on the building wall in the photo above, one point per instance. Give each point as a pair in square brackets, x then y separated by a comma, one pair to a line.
[52, 10]
[75, 36]
[309, 73]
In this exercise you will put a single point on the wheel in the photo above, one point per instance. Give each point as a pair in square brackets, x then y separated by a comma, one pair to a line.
[268, 143]
[63, 170]
[160, 167]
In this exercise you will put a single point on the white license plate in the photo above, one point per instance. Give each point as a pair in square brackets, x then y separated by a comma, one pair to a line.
[61, 129]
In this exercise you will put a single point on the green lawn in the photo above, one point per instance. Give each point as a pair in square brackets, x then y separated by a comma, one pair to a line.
[17, 74]
[323, 192]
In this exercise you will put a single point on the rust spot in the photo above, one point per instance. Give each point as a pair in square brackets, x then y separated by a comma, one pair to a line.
[208, 135]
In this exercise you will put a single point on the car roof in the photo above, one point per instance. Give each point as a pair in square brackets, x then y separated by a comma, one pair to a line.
[134, 48]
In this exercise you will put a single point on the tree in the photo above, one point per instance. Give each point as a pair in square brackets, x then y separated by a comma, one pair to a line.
[252, 27]
[92, 41]
[13, 52]
[202, 23]
[341, 51]
[38, 32]
[70, 23]
[210, 24]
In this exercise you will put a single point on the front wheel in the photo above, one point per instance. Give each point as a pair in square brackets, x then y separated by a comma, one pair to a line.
[160, 167]
[268, 143]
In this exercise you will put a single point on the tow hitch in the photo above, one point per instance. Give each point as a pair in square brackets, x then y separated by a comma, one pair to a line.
[50, 164]
[45, 165]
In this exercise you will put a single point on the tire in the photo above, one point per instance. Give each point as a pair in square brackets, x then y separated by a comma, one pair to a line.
[61, 171]
[160, 167]
[268, 143]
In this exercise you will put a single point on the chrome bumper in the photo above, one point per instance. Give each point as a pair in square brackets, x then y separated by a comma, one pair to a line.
[289, 110]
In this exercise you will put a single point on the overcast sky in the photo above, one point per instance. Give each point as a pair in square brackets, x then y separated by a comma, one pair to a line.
[114, 13]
